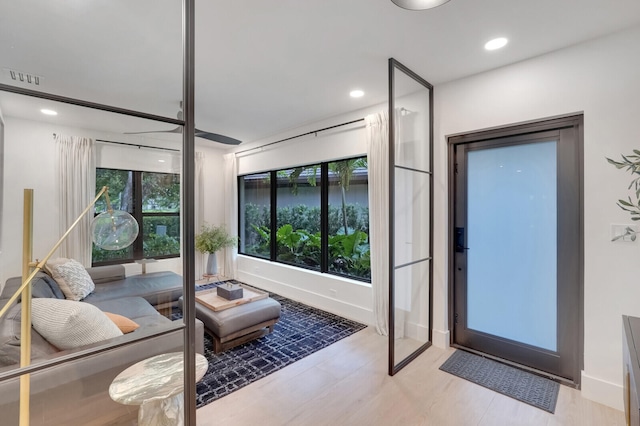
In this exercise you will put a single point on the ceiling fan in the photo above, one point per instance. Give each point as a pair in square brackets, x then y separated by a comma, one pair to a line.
[215, 137]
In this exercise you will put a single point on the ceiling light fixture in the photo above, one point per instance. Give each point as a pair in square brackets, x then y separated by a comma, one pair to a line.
[48, 111]
[356, 93]
[496, 43]
[418, 4]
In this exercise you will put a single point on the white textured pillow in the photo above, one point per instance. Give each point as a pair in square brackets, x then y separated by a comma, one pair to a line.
[72, 278]
[68, 324]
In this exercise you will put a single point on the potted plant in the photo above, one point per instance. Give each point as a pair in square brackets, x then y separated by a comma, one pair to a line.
[211, 239]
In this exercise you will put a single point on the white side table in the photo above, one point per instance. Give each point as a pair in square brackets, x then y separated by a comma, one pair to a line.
[156, 384]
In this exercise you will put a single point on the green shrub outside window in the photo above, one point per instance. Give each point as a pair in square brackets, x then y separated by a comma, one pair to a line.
[301, 212]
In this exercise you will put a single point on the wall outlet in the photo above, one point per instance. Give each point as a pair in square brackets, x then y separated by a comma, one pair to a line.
[624, 233]
[333, 293]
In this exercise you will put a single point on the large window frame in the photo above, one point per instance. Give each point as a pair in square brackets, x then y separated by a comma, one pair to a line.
[325, 184]
[139, 213]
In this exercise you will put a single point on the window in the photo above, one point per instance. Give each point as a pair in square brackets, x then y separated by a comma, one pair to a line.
[154, 200]
[314, 216]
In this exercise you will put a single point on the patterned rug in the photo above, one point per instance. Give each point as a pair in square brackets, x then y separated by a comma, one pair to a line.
[301, 331]
[512, 382]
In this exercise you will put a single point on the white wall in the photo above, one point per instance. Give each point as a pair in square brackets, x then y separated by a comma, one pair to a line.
[30, 163]
[601, 79]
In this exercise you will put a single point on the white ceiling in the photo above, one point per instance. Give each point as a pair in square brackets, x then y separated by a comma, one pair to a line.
[264, 66]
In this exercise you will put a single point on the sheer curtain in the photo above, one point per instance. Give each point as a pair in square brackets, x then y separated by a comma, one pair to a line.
[76, 186]
[230, 181]
[377, 129]
[199, 209]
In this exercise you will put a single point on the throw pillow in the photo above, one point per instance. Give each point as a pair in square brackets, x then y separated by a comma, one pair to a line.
[72, 278]
[125, 324]
[68, 324]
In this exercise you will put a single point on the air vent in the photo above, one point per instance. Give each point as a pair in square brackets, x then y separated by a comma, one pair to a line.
[23, 77]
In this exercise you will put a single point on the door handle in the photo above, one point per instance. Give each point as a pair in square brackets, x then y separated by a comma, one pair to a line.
[460, 248]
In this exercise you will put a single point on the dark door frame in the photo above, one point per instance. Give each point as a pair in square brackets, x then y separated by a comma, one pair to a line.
[574, 121]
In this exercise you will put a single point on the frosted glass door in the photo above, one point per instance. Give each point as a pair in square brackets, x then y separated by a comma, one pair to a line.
[516, 245]
[512, 234]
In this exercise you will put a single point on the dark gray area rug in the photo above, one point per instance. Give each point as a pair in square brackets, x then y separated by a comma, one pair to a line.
[301, 331]
[510, 381]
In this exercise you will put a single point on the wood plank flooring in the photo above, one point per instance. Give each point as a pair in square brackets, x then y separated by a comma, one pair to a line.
[347, 384]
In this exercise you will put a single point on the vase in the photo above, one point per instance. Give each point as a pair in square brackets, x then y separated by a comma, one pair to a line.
[212, 264]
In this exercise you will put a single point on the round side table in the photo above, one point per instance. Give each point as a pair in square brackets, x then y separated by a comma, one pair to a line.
[156, 384]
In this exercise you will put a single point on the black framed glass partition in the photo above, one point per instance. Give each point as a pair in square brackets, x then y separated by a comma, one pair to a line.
[79, 377]
[411, 215]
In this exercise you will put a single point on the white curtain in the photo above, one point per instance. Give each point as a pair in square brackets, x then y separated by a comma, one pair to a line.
[230, 181]
[199, 209]
[377, 129]
[76, 186]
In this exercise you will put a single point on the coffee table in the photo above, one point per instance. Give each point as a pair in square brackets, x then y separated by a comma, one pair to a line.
[156, 384]
[234, 322]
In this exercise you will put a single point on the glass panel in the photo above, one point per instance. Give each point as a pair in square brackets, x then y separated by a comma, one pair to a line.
[298, 216]
[255, 209]
[77, 392]
[85, 58]
[411, 216]
[512, 236]
[160, 192]
[161, 236]
[411, 310]
[412, 123]
[349, 252]
[411, 213]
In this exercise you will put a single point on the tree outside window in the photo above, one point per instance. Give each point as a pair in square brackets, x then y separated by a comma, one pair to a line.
[154, 201]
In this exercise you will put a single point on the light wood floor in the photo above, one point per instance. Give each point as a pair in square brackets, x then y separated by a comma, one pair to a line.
[347, 384]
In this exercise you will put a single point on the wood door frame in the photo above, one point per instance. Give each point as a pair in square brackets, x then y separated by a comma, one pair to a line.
[575, 120]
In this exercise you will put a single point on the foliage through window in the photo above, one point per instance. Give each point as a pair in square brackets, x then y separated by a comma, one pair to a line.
[316, 216]
[154, 201]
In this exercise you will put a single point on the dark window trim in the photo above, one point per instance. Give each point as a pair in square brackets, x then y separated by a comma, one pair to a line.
[324, 217]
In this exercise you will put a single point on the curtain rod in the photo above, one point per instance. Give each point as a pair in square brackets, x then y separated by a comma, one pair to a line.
[303, 134]
[136, 145]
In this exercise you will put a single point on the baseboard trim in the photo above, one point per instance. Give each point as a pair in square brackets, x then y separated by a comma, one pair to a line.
[441, 338]
[602, 391]
[329, 304]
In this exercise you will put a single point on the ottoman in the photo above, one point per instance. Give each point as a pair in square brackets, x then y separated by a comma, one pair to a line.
[239, 324]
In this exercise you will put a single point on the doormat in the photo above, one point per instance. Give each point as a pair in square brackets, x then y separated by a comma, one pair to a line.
[510, 381]
[301, 331]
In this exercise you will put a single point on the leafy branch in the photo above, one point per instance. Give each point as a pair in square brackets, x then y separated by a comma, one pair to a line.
[630, 163]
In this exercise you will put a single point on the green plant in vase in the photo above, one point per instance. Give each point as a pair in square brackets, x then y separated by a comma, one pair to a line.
[211, 239]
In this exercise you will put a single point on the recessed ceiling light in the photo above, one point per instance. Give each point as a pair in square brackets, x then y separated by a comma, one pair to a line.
[48, 111]
[356, 93]
[161, 161]
[418, 4]
[496, 43]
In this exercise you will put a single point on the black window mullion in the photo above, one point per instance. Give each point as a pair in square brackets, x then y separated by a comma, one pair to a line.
[138, 250]
[324, 217]
[274, 215]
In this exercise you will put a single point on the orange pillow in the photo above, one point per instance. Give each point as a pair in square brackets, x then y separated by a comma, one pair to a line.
[123, 323]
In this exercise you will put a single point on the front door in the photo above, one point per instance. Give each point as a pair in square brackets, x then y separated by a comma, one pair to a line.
[517, 245]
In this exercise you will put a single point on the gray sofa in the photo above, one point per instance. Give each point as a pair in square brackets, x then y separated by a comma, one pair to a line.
[79, 389]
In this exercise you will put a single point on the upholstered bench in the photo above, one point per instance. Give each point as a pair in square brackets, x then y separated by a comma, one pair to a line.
[239, 324]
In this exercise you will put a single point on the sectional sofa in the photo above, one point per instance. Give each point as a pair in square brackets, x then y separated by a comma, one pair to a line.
[78, 389]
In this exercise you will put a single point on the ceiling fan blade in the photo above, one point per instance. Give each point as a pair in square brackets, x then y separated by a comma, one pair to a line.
[215, 137]
[176, 130]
